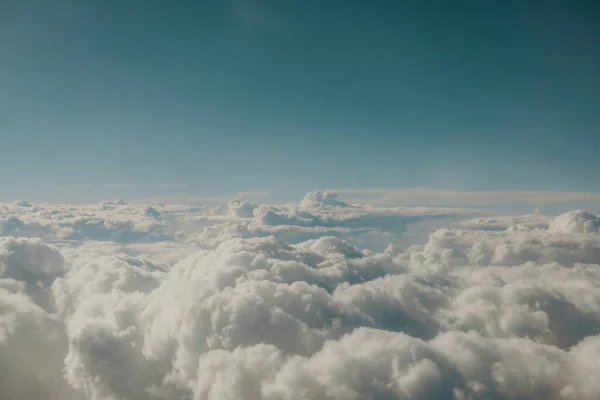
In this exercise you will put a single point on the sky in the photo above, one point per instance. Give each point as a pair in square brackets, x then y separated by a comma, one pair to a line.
[319, 199]
[105, 99]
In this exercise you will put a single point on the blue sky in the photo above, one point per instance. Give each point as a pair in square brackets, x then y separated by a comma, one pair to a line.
[288, 96]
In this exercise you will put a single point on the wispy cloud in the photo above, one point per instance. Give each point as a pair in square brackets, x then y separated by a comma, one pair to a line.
[155, 185]
[185, 199]
[434, 197]
[241, 195]
[124, 185]
[70, 187]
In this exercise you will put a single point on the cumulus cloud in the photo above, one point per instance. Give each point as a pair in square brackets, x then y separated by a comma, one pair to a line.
[319, 199]
[321, 214]
[241, 209]
[108, 220]
[211, 303]
[576, 221]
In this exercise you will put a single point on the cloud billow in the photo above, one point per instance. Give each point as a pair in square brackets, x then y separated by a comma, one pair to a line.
[206, 303]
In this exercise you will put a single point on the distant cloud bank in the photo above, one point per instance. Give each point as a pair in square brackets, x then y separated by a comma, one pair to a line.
[435, 197]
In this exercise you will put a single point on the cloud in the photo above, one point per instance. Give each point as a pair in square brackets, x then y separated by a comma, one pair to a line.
[159, 185]
[69, 187]
[576, 221]
[435, 197]
[210, 303]
[243, 195]
[111, 220]
[321, 214]
[124, 186]
[320, 199]
[241, 209]
[185, 199]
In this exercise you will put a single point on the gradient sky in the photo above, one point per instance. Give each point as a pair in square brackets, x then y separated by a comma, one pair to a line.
[289, 96]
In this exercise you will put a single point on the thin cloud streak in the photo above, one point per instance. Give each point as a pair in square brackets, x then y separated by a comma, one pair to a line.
[135, 185]
[185, 199]
[455, 197]
[68, 187]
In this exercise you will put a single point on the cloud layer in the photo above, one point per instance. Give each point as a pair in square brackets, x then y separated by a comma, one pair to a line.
[251, 301]
[435, 197]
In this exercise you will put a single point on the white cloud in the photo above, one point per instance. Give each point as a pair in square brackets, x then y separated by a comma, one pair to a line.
[576, 221]
[241, 209]
[320, 199]
[119, 302]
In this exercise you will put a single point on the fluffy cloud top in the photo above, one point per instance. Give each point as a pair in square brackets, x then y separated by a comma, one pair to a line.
[491, 308]
[321, 199]
[576, 221]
